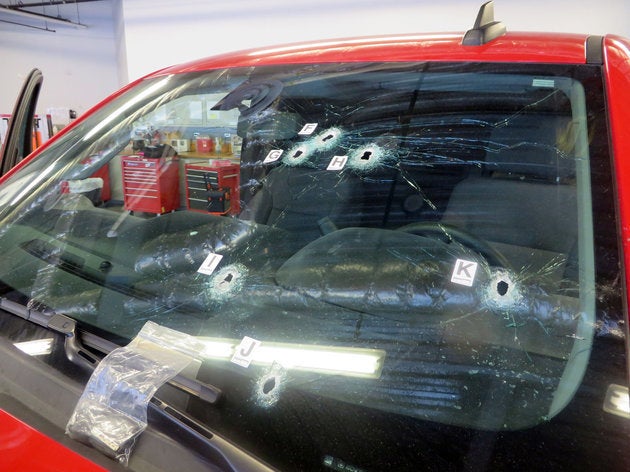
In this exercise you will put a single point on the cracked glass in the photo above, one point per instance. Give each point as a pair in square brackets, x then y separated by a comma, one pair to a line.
[434, 224]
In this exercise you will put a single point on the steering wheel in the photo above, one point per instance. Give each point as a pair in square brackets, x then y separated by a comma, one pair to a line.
[448, 234]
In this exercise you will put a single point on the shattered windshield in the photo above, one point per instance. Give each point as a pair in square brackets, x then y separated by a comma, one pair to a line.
[416, 239]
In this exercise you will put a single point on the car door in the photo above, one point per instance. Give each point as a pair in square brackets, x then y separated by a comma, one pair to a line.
[18, 143]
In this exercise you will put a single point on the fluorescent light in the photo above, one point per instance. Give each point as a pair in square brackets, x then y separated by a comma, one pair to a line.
[330, 360]
[217, 349]
[617, 401]
[38, 347]
[38, 16]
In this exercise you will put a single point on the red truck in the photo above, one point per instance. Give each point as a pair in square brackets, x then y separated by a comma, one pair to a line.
[420, 262]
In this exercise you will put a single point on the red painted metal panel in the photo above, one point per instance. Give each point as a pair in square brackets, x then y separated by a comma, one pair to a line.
[512, 47]
[617, 72]
[24, 448]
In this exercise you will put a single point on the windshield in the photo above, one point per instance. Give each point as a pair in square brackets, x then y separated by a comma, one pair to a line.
[402, 242]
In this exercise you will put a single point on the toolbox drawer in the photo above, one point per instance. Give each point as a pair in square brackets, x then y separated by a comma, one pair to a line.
[150, 184]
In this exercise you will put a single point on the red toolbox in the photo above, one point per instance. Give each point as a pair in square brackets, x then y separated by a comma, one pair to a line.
[213, 188]
[150, 184]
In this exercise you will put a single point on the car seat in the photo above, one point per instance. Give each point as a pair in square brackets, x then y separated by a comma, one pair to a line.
[304, 199]
[524, 205]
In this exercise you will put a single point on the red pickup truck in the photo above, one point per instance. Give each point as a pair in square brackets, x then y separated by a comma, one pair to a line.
[387, 253]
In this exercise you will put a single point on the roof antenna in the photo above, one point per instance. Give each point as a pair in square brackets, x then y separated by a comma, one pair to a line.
[485, 28]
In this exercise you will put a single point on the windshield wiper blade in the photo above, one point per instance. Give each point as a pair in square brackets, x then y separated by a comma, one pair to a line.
[78, 354]
[75, 352]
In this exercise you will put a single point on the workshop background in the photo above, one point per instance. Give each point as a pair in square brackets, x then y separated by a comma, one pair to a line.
[104, 44]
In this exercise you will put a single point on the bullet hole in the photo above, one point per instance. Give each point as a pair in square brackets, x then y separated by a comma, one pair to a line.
[502, 287]
[298, 155]
[502, 292]
[226, 282]
[367, 158]
[269, 385]
[327, 139]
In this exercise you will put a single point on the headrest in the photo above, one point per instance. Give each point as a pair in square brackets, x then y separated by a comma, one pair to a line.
[531, 161]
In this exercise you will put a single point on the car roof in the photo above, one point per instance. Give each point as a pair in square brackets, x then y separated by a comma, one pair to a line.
[510, 47]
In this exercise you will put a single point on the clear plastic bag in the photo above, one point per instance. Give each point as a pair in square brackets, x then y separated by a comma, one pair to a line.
[112, 411]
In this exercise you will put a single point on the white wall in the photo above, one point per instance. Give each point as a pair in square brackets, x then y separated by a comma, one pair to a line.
[126, 39]
[79, 65]
[121, 44]
[163, 32]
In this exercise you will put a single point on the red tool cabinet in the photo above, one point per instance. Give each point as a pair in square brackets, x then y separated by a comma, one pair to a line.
[213, 188]
[150, 184]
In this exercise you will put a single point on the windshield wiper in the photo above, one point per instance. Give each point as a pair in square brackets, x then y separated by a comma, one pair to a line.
[78, 354]
[163, 415]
